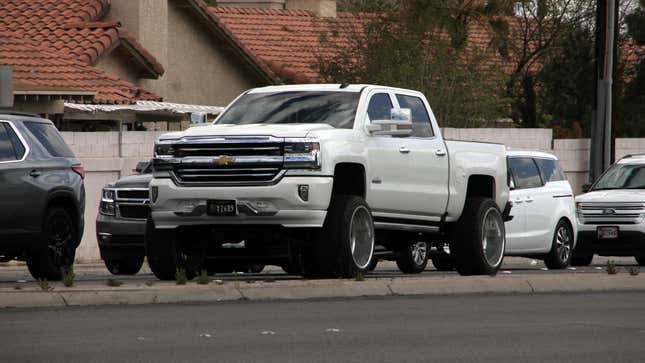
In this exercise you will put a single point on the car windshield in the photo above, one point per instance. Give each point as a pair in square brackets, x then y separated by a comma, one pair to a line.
[337, 109]
[622, 176]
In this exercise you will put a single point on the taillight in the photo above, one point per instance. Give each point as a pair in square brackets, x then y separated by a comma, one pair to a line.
[78, 169]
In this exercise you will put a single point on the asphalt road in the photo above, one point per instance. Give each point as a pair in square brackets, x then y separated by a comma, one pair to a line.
[521, 328]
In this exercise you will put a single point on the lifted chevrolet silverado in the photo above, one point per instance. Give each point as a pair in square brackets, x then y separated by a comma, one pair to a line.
[313, 176]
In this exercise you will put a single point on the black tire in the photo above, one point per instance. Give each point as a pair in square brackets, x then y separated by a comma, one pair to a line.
[129, 266]
[561, 247]
[331, 255]
[373, 264]
[164, 254]
[468, 247]
[56, 248]
[442, 262]
[640, 260]
[414, 258]
[581, 260]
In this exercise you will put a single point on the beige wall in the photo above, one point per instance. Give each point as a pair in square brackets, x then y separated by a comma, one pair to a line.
[115, 64]
[198, 70]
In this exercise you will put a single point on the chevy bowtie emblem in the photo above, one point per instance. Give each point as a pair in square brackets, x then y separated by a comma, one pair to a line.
[609, 211]
[223, 160]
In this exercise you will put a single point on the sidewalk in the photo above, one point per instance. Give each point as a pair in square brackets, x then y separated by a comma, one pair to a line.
[98, 293]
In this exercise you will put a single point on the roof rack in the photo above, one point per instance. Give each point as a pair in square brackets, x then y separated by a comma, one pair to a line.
[16, 113]
[344, 85]
[633, 155]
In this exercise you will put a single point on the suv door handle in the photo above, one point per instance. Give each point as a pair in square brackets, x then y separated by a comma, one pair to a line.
[529, 199]
[34, 173]
[440, 152]
[404, 150]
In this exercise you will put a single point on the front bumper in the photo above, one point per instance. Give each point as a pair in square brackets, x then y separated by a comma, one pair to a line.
[278, 204]
[630, 241]
[120, 238]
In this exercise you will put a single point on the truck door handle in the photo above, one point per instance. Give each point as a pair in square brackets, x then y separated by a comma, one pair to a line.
[517, 200]
[529, 199]
[404, 150]
[440, 152]
[34, 173]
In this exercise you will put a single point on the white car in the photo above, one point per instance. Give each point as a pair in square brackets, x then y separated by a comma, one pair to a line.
[543, 224]
[611, 214]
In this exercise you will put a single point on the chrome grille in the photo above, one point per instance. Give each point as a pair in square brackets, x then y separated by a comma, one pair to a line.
[239, 161]
[611, 213]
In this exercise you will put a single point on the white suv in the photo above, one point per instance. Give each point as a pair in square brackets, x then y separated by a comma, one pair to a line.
[543, 223]
[611, 214]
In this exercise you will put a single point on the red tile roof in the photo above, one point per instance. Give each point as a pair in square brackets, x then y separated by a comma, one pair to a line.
[38, 69]
[72, 27]
[287, 41]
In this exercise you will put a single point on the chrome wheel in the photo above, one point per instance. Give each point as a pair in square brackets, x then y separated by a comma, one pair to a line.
[419, 252]
[493, 239]
[563, 243]
[361, 237]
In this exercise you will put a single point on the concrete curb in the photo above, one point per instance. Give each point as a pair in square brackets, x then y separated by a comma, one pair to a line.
[168, 292]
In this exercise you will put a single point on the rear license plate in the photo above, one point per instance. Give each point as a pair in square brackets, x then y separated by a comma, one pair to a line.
[607, 232]
[222, 208]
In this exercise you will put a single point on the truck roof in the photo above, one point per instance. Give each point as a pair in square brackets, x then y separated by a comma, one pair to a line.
[322, 87]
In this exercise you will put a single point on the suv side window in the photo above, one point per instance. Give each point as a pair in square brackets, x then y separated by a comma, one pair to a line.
[525, 173]
[421, 126]
[50, 139]
[8, 151]
[379, 107]
[551, 170]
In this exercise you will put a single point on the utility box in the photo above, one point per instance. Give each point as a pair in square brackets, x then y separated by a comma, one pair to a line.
[6, 86]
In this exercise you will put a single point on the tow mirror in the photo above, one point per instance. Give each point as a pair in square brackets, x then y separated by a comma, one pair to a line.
[399, 124]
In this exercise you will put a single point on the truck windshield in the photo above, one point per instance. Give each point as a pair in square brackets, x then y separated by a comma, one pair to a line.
[299, 107]
[622, 176]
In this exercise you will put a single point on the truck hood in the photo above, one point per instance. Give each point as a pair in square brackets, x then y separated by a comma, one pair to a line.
[613, 196]
[132, 181]
[276, 130]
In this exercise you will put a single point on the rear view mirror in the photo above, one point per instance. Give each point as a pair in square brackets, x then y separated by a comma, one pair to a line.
[399, 124]
[143, 167]
[586, 187]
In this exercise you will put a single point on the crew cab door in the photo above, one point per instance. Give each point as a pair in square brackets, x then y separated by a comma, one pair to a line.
[426, 159]
[408, 176]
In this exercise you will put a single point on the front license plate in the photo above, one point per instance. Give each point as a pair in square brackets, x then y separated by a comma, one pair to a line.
[222, 208]
[607, 232]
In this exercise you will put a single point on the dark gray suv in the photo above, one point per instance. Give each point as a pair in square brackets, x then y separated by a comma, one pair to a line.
[42, 197]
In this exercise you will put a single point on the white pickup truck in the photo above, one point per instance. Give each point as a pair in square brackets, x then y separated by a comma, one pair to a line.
[316, 175]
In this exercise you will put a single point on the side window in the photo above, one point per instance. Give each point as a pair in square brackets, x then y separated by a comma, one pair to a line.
[551, 170]
[7, 153]
[525, 173]
[379, 107]
[421, 126]
[50, 139]
[17, 144]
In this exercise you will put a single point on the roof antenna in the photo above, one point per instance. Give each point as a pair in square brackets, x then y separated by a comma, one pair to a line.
[344, 85]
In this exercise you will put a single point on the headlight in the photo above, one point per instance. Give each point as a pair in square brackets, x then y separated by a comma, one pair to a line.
[107, 206]
[302, 154]
[164, 149]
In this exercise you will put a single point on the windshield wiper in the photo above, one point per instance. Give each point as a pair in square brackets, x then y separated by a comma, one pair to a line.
[605, 188]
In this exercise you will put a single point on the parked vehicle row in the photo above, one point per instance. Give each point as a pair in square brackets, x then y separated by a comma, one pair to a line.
[323, 180]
